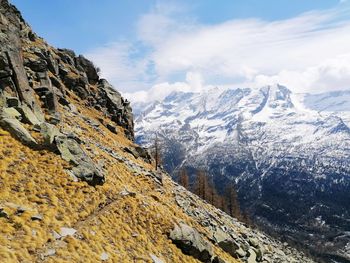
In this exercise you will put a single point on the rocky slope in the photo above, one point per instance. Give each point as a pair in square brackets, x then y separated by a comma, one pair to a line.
[287, 153]
[73, 185]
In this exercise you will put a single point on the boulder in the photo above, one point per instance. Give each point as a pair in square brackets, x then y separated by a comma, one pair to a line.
[28, 115]
[143, 153]
[3, 213]
[52, 64]
[49, 252]
[254, 242]
[112, 128]
[252, 256]
[84, 168]
[81, 91]
[37, 217]
[191, 243]
[156, 259]
[49, 132]
[89, 68]
[226, 243]
[67, 55]
[17, 130]
[119, 109]
[36, 64]
[218, 260]
[104, 256]
[67, 231]
[132, 151]
[55, 118]
[41, 90]
[11, 113]
[51, 102]
[25, 93]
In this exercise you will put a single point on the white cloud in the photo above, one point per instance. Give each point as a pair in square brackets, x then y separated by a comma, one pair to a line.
[308, 53]
[159, 91]
[333, 74]
[119, 68]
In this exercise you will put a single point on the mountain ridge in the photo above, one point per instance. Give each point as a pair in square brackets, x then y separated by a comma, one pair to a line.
[270, 143]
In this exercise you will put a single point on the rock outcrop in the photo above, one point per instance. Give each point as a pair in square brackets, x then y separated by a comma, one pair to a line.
[37, 83]
[191, 242]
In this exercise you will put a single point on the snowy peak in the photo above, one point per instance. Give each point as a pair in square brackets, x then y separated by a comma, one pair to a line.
[279, 96]
[336, 101]
[284, 119]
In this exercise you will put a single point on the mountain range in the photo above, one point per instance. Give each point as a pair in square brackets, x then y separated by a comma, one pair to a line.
[288, 155]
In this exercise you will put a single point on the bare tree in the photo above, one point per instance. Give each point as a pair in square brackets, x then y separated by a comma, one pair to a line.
[199, 184]
[157, 154]
[233, 208]
[183, 178]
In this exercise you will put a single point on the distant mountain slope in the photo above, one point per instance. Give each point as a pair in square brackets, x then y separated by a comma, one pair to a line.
[289, 154]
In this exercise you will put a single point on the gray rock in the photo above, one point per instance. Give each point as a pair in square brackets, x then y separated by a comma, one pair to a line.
[254, 242]
[225, 242]
[41, 90]
[21, 81]
[89, 68]
[104, 256]
[132, 151]
[191, 243]
[21, 210]
[3, 213]
[36, 64]
[259, 254]
[85, 168]
[38, 217]
[52, 64]
[50, 252]
[240, 252]
[143, 153]
[112, 128]
[28, 115]
[252, 256]
[55, 119]
[11, 113]
[49, 132]
[156, 259]
[126, 192]
[67, 231]
[218, 260]
[17, 130]
[119, 109]
[51, 102]
[56, 235]
[67, 55]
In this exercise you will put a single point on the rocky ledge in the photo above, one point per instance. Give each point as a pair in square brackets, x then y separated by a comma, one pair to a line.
[37, 83]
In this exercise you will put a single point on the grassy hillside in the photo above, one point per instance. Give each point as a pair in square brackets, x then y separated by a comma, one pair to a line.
[128, 228]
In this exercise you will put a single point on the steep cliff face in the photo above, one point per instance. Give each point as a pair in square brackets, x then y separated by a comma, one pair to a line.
[73, 185]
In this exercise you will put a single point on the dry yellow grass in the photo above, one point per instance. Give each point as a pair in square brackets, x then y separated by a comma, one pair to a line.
[127, 228]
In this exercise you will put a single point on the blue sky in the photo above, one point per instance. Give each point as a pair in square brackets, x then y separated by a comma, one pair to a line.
[153, 46]
[86, 24]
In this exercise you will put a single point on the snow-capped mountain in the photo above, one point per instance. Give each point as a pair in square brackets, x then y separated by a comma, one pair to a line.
[289, 154]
